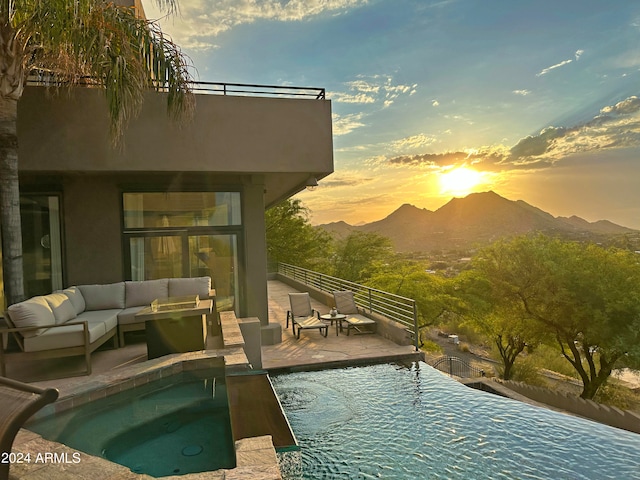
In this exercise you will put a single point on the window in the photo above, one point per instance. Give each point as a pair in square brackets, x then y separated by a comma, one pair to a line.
[185, 234]
[181, 209]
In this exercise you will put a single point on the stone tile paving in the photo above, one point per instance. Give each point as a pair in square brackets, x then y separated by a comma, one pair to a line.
[313, 350]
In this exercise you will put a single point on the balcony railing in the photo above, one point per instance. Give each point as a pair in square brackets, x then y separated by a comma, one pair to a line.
[248, 89]
[399, 309]
[213, 88]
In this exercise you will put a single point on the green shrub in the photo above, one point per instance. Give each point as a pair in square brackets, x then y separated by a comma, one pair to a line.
[526, 371]
[618, 396]
[431, 347]
[550, 358]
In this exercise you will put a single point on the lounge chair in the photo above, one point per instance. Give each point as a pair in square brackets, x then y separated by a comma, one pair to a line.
[303, 316]
[18, 401]
[346, 304]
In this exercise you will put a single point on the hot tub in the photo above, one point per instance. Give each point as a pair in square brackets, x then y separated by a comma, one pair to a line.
[172, 426]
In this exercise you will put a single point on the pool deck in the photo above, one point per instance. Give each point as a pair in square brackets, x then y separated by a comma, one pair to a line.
[311, 351]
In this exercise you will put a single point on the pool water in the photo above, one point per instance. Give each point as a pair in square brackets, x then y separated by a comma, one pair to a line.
[172, 426]
[412, 422]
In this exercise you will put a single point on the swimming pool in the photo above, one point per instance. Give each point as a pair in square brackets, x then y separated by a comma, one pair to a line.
[173, 426]
[411, 422]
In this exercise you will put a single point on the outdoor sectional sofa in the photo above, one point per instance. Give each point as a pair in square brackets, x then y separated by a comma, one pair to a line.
[79, 319]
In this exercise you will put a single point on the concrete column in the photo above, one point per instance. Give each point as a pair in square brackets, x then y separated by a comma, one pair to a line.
[257, 302]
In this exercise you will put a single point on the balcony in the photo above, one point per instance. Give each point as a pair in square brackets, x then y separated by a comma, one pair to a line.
[282, 134]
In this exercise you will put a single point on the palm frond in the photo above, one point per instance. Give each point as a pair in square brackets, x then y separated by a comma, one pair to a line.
[76, 40]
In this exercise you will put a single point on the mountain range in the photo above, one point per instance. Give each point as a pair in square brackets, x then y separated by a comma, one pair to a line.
[477, 219]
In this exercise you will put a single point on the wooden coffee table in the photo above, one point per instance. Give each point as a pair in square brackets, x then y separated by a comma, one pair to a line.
[175, 330]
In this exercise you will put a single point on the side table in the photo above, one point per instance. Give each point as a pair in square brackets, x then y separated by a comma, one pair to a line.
[338, 318]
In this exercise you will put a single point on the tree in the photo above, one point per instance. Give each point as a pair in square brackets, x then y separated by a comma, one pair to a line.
[74, 41]
[431, 292]
[583, 295]
[488, 304]
[357, 255]
[292, 239]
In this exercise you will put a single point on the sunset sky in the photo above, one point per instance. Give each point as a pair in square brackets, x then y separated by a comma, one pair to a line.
[538, 100]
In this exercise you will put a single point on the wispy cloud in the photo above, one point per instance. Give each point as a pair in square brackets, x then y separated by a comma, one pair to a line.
[412, 142]
[343, 124]
[346, 179]
[523, 93]
[373, 89]
[202, 20]
[553, 67]
[616, 126]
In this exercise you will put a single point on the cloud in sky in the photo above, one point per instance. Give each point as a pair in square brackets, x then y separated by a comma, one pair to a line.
[616, 126]
[544, 71]
[203, 20]
[372, 89]
[344, 124]
[576, 55]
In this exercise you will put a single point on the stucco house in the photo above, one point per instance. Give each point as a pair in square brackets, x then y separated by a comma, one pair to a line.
[176, 199]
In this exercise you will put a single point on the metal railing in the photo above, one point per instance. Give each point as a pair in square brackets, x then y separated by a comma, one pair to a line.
[399, 309]
[248, 89]
[456, 367]
[214, 88]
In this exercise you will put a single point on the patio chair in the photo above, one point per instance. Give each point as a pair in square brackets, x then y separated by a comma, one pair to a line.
[18, 402]
[346, 304]
[303, 316]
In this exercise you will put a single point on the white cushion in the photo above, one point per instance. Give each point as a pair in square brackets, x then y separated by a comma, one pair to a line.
[103, 297]
[107, 317]
[143, 293]
[61, 306]
[64, 337]
[180, 287]
[34, 312]
[128, 316]
[77, 300]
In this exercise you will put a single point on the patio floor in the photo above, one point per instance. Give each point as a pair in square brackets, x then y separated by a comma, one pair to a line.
[312, 350]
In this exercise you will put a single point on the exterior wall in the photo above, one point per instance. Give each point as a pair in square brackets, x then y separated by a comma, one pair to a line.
[267, 134]
[92, 230]
[285, 139]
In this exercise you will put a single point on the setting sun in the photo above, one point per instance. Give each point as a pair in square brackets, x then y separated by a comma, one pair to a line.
[459, 181]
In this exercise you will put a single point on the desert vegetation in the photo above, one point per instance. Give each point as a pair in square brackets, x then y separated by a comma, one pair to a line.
[538, 304]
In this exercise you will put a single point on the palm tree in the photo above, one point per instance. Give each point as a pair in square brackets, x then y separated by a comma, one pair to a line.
[72, 42]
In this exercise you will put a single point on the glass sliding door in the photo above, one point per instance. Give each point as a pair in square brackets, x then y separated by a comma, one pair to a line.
[216, 256]
[156, 256]
[185, 234]
[41, 244]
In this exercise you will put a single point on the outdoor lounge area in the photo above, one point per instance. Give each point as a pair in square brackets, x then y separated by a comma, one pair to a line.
[110, 366]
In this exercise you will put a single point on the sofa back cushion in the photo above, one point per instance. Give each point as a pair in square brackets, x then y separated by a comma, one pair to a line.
[76, 298]
[145, 292]
[103, 297]
[61, 306]
[180, 287]
[34, 312]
